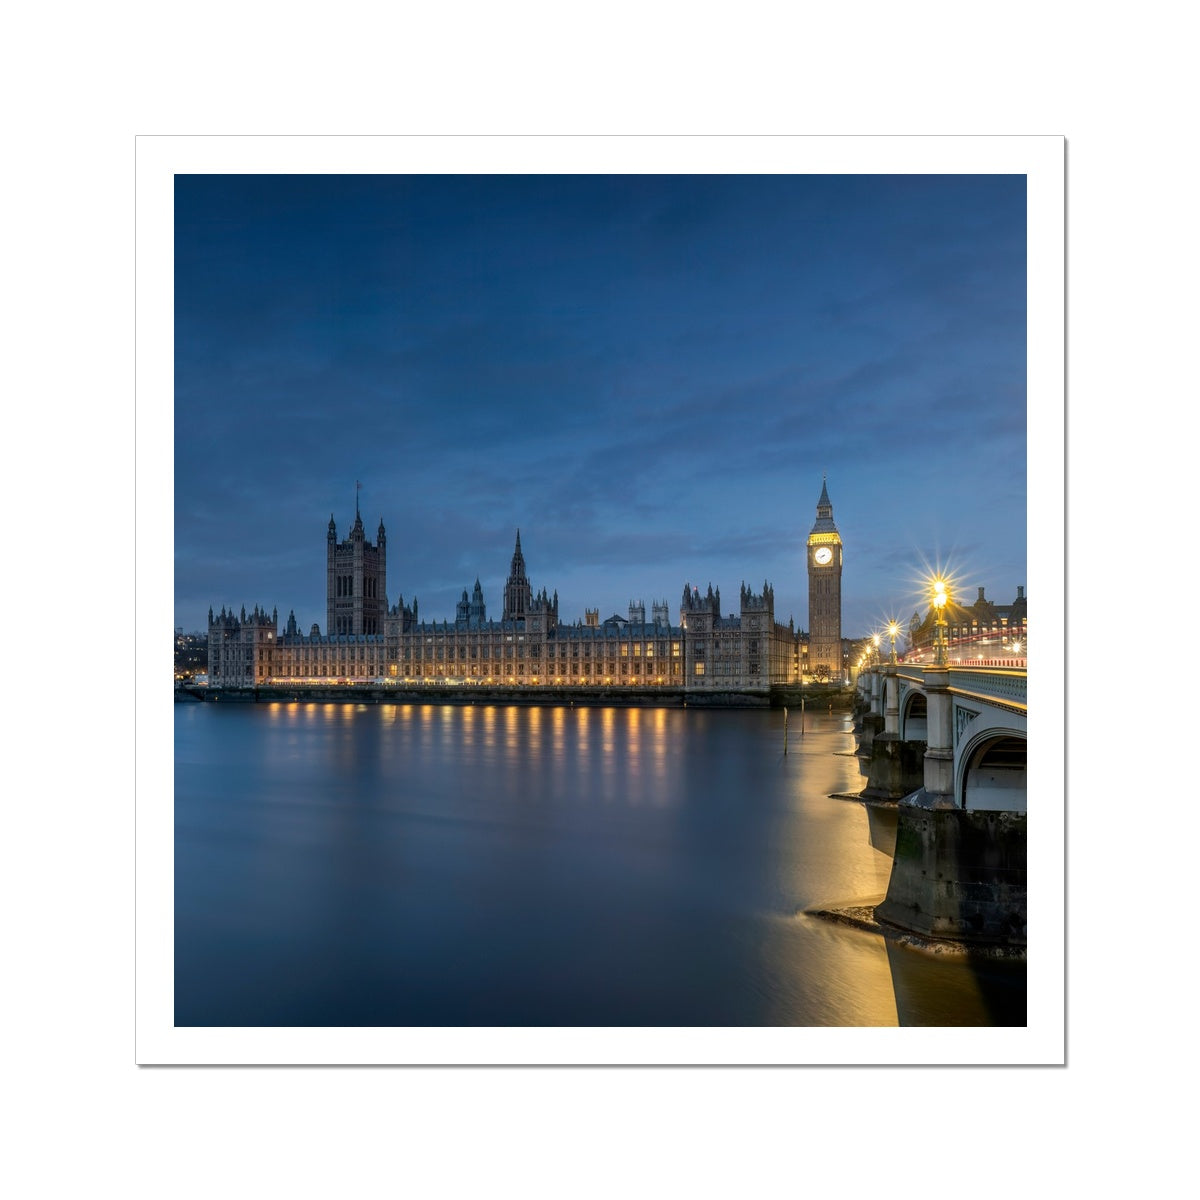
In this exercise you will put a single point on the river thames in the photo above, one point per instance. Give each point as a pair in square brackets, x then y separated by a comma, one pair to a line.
[484, 865]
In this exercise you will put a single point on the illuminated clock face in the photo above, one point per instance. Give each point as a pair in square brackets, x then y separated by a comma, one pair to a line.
[822, 555]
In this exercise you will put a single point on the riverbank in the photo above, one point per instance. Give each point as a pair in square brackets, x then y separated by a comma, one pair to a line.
[469, 695]
[817, 698]
[862, 916]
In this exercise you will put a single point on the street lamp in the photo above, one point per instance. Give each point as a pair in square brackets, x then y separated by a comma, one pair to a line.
[875, 641]
[893, 629]
[941, 597]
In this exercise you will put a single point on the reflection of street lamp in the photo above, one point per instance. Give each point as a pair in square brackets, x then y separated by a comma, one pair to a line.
[893, 630]
[941, 597]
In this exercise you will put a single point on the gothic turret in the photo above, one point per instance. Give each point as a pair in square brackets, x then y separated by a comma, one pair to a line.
[477, 610]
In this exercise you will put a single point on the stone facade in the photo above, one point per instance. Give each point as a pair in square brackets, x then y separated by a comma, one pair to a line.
[744, 651]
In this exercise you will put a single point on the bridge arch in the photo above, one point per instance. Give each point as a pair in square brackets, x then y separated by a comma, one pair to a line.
[914, 714]
[992, 771]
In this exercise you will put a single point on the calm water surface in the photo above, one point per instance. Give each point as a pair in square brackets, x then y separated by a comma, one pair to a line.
[401, 865]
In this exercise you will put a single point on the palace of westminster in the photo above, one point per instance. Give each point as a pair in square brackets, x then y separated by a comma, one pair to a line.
[529, 647]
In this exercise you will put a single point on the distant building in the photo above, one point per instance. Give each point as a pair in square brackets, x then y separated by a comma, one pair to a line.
[983, 630]
[191, 654]
[528, 647]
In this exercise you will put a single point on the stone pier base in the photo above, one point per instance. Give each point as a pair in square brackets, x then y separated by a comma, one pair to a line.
[870, 727]
[958, 875]
[895, 769]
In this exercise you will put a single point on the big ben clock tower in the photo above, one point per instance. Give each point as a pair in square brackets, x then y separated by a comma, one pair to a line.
[825, 593]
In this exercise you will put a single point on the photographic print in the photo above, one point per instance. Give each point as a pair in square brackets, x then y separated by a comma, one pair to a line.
[600, 578]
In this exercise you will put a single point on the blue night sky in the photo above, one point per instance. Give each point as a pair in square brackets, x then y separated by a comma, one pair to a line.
[647, 375]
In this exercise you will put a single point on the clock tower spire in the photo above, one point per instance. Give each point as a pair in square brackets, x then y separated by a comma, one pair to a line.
[825, 592]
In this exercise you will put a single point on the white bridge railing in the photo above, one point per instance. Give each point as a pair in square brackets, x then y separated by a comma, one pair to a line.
[1006, 685]
[1003, 686]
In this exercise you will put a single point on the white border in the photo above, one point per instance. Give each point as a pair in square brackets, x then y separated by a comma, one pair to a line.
[158, 159]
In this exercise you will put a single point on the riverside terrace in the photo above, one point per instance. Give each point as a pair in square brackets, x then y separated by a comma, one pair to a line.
[794, 696]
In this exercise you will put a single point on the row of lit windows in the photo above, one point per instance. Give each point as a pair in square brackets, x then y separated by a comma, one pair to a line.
[586, 671]
[722, 668]
[348, 655]
[518, 652]
[589, 647]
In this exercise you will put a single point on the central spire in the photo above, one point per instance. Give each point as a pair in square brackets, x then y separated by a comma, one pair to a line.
[517, 570]
[518, 595]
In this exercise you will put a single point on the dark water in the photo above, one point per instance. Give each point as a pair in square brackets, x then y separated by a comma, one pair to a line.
[416, 865]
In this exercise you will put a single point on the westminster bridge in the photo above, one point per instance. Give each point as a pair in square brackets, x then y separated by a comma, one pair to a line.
[947, 745]
[969, 722]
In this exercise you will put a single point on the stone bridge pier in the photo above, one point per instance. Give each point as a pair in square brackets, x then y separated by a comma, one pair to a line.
[895, 767]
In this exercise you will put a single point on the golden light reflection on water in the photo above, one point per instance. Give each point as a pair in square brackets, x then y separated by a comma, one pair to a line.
[853, 985]
[659, 744]
[583, 743]
[558, 728]
[633, 749]
[957, 1000]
